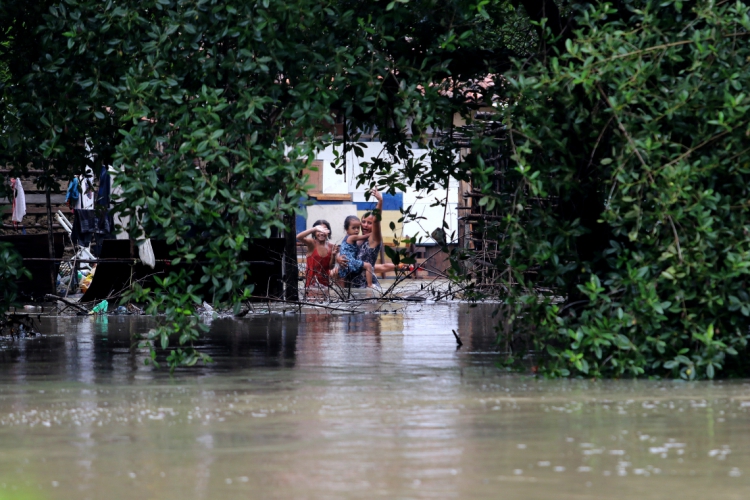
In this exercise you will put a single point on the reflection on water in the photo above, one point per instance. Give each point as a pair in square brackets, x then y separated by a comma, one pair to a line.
[361, 406]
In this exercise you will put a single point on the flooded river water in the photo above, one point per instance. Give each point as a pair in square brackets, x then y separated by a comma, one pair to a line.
[363, 406]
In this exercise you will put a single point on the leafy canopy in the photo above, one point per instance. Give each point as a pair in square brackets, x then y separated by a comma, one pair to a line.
[627, 193]
[210, 110]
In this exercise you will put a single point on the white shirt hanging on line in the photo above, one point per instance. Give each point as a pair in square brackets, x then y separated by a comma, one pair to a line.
[19, 200]
[88, 193]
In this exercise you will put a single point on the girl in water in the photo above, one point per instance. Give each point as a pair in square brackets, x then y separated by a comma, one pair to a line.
[349, 248]
[320, 254]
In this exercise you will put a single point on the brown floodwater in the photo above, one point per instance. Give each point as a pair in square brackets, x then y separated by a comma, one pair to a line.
[362, 406]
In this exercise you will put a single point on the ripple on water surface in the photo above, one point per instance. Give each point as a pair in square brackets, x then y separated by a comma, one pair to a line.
[349, 407]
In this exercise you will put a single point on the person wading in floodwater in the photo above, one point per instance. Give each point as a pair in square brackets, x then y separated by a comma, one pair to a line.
[320, 256]
[354, 267]
[369, 249]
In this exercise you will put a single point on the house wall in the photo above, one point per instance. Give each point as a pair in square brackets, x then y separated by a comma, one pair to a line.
[421, 202]
[330, 186]
[334, 213]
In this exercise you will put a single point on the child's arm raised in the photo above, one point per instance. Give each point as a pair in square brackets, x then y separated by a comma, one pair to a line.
[356, 237]
[306, 236]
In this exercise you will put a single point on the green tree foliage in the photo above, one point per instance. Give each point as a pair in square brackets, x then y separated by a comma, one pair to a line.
[209, 110]
[627, 194]
[46, 119]
[622, 229]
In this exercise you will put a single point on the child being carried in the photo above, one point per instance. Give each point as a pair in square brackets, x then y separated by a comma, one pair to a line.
[349, 248]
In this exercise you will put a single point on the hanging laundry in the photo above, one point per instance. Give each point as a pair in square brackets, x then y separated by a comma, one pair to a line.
[80, 198]
[103, 199]
[84, 226]
[105, 188]
[80, 194]
[86, 200]
[72, 196]
[19, 201]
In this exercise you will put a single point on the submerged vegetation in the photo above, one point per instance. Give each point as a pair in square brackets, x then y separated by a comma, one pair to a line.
[620, 215]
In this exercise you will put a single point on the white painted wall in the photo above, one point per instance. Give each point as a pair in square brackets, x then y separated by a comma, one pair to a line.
[334, 214]
[340, 184]
[421, 201]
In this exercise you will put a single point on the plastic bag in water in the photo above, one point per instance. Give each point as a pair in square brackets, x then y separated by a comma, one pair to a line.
[100, 308]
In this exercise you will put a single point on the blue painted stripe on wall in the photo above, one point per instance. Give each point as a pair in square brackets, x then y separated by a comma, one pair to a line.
[390, 202]
[328, 202]
[301, 223]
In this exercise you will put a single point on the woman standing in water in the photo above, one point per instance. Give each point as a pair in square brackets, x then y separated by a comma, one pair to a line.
[349, 248]
[370, 248]
[320, 254]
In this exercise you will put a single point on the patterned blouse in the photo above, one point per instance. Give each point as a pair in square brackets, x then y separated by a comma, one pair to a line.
[366, 254]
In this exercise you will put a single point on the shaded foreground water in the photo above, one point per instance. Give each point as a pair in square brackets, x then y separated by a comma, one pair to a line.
[361, 406]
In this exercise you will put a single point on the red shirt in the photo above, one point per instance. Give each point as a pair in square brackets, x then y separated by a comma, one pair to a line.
[318, 267]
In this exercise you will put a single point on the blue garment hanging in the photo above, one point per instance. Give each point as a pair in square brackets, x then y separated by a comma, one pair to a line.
[105, 188]
[73, 194]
